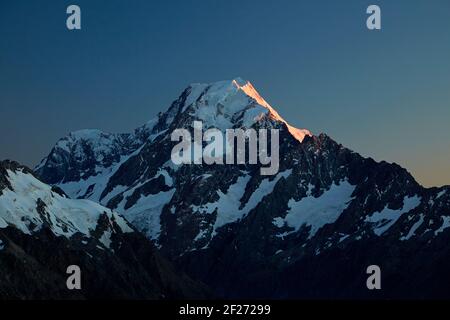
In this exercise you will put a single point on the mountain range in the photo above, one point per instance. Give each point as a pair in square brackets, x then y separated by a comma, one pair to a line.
[309, 231]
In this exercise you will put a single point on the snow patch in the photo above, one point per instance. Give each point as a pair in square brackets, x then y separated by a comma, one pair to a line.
[146, 213]
[387, 217]
[440, 194]
[445, 225]
[317, 212]
[413, 229]
[228, 205]
[343, 237]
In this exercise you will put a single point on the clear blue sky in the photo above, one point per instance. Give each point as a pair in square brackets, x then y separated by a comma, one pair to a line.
[385, 94]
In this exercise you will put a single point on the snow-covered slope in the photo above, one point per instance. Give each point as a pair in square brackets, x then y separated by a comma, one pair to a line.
[88, 153]
[28, 205]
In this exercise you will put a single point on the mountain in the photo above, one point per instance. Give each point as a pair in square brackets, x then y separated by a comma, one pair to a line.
[42, 232]
[311, 230]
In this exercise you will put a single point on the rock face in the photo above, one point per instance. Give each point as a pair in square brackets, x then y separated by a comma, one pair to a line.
[42, 232]
[311, 230]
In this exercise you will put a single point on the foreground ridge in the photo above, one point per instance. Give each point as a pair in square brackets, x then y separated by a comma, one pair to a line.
[43, 232]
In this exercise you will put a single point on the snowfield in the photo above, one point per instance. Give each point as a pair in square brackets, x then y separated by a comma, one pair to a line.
[317, 212]
[66, 217]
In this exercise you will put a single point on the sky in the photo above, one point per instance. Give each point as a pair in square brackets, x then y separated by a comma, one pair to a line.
[384, 94]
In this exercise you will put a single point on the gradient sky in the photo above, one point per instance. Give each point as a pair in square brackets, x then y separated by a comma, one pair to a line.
[384, 94]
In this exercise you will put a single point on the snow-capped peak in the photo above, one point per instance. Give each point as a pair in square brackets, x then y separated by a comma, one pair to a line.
[91, 136]
[225, 104]
[248, 88]
[28, 204]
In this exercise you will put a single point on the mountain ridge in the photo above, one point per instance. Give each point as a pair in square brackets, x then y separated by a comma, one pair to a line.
[228, 226]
